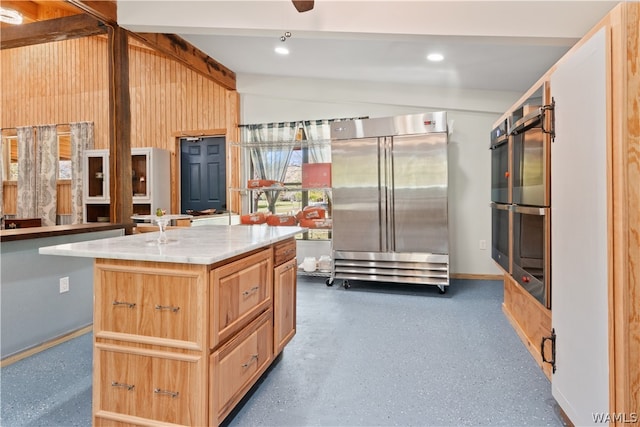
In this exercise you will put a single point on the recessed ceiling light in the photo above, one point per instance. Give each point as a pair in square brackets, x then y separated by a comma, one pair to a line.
[282, 50]
[10, 16]
[435, 57]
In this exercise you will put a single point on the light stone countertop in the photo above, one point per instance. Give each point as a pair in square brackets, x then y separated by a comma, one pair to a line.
[191, 245]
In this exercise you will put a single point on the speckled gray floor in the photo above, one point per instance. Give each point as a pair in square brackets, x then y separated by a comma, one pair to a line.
[371, 355]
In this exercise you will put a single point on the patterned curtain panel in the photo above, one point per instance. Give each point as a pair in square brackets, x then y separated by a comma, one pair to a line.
[47, 173]
[81, 139]
[26, 204]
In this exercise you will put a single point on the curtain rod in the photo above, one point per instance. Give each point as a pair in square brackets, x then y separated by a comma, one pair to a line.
[33, 126]
[278, 124]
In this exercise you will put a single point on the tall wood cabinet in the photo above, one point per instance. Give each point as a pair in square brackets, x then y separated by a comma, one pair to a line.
[150, 182]
[181, 344]
[595, 236]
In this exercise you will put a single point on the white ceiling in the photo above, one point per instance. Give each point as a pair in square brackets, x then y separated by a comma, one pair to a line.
[488, 45]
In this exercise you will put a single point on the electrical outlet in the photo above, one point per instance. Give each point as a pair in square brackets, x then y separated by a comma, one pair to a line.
[64, 284]
[483, 245]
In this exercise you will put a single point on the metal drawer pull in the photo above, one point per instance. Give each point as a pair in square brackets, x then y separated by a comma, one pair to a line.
[130, 304]
[167, 307]
[253, 357]
[289, 251]
[250, 291]
[127, 386]
[173, 394]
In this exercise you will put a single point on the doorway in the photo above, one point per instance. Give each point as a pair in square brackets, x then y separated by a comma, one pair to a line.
[203, 182]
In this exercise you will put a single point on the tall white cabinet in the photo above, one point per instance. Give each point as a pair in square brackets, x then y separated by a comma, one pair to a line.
[150, 182]
[579, 234]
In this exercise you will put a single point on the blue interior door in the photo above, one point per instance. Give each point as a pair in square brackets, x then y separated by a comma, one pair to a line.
[203, 182]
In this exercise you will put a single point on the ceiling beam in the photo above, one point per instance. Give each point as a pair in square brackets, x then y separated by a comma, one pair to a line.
[52, 30]
[184, 52]
[104, 10]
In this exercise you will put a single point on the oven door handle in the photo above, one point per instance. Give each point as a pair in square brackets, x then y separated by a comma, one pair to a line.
[529, 210]
[499, 141]
[529, 121]
[499, 206]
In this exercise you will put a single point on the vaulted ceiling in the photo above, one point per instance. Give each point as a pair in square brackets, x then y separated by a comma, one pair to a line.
[487, 45]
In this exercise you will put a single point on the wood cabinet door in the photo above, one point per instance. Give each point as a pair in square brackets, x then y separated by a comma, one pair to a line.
[284, 304]
[240, 291]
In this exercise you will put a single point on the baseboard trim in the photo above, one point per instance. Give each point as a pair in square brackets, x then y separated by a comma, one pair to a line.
[477, 276]
[563, 416]
[44, 346]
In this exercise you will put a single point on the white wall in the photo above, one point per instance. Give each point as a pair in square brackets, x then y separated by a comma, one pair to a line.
[471, 115]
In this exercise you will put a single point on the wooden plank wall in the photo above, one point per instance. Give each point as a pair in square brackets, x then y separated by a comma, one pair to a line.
[56, 83]
[168, 100]
[10, 196]
[67, 81]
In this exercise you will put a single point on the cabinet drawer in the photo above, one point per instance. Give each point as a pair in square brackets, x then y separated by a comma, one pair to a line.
[284, 251]
[240, 291]
[161, 386]
[163, 307]
[237, 365]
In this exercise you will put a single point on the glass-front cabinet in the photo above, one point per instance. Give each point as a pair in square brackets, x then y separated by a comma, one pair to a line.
[96, 186]
[96, 183]
[150, 182]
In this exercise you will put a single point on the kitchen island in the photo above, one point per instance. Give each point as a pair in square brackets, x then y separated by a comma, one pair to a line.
[182, 330]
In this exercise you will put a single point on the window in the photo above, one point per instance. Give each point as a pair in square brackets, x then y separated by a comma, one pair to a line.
[10, 158]
[64, 156]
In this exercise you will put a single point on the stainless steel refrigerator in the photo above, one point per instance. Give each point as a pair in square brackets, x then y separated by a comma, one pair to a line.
[389, 194]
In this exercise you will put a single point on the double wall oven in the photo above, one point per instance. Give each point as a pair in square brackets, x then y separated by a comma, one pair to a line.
[521, 223]
[500, 194]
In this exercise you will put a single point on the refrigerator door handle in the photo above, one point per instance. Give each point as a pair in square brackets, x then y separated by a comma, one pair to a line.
[391, 242]
[382, 195]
